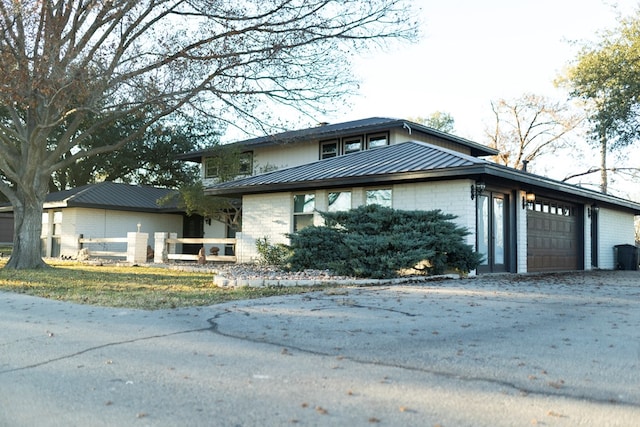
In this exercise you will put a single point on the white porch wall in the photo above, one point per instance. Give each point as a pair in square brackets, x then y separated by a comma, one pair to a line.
[217, 230]
[98, 223]
[614, 228]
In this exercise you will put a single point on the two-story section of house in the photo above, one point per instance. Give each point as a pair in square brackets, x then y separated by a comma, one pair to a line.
[519, 221]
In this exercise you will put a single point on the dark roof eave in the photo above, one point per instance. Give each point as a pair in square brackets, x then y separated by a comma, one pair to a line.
[538, 182]
[523, 180]
[159, 209]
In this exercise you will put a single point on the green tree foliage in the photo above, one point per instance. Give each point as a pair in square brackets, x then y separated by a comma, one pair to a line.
[192, 199]
[439, 120]
[150, 159]
[375, 241]
[73, 68]
[606, 77]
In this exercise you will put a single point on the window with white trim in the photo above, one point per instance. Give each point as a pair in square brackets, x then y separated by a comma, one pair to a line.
[329, 149]
[303, 207]
[377, 140]
[352, 144]
[229, 167]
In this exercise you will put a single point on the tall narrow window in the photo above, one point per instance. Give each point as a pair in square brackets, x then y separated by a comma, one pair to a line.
[339, 201]
[57, 223]
[380, 197]
[303, 206]
[328, 149]
[245, 166]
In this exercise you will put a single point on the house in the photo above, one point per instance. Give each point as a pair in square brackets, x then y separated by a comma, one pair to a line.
[519, 221]
[105, 209]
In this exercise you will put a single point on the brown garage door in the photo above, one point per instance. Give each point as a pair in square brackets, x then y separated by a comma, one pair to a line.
[552, 237]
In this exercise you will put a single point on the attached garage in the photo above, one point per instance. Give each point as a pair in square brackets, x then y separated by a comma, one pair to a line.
[553, 239]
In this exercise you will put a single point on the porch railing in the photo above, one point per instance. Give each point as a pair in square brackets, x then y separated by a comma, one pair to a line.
[225, 243]
[105, 241]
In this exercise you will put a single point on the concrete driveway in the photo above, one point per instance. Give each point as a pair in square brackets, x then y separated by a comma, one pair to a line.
[492, 351]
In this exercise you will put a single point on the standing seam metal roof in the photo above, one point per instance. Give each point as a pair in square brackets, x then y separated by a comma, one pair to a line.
[112, 195]
[411, 156]
[335, 130]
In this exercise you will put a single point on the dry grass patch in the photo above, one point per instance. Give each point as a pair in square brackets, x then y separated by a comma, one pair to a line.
[140, 287]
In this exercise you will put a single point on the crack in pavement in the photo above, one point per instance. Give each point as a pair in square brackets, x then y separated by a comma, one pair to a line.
[443, 374]
[98, 347]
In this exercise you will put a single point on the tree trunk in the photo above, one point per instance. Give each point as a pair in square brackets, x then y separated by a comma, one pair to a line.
[603, 163]
[27, 216]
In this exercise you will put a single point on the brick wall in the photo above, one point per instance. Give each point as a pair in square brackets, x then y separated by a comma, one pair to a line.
[270, 215]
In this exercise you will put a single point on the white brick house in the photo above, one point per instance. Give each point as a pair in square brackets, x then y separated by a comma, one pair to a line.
[519, 221]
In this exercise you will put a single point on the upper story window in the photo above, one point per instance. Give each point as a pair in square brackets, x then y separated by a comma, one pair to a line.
[329, 149]
[377, 140]
[245, 166]
[228, 166]
[352, 144]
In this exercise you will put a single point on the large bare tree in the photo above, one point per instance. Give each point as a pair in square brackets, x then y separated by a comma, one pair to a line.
[71, 68]
[529, 127]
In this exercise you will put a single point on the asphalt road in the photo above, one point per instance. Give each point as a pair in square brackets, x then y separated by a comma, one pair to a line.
[552, 350]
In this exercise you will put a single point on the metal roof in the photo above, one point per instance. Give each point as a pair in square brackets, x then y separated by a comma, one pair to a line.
[404, 158]
[406, 162]
[328, 131]
[111, 195]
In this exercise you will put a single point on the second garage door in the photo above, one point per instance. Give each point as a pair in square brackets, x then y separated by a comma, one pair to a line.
[552, 237]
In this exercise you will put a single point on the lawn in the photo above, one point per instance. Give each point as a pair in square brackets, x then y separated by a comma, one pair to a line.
[139, 287]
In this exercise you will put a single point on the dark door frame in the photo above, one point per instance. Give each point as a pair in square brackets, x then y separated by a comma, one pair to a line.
[492, 264]
[593, 213]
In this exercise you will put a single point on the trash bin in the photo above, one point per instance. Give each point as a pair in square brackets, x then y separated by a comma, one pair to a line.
[626, 257]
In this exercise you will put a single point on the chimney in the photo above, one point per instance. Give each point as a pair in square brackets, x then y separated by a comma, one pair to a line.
[524, 165]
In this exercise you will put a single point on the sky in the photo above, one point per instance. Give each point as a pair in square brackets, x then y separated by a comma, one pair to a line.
[472, 52]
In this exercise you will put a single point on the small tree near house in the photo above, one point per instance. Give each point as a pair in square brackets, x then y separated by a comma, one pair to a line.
[377, 242]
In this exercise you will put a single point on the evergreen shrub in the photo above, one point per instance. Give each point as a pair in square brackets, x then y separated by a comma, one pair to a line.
[377, 242]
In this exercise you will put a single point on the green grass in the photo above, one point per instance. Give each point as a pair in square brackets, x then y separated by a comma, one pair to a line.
[147, 288]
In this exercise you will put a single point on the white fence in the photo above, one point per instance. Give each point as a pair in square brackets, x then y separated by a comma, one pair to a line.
[104, 241]
[165, 248]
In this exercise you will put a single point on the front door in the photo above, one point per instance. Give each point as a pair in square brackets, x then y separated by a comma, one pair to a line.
[492, 232]
[192, 226]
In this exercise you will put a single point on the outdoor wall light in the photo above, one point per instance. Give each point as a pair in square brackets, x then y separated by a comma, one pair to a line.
[528, 199]
[477, 189]
[593, 209]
